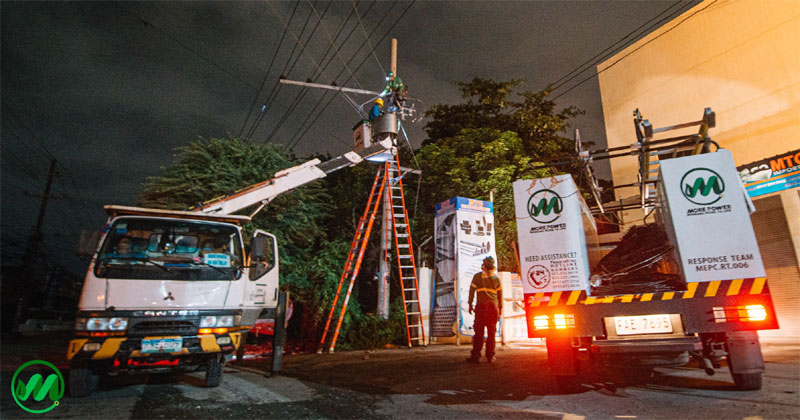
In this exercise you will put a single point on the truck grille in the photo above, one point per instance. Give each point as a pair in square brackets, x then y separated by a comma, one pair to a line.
[164, 328]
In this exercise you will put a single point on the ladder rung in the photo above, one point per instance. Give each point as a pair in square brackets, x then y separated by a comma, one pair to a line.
[410, 289]
[406, 266]
[413, 325]
[406, 256]
[408, 278]
[411, 301]
[401, 224]
[402, 235]
[412, 313]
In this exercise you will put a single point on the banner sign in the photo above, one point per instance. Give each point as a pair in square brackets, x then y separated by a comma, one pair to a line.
[706, 214]
[774, 174]
[464, 237]
[553, 222]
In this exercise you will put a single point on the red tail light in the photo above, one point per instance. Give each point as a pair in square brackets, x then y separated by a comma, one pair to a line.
[748, 313]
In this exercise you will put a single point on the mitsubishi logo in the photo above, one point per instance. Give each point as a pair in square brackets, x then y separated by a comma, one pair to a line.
[169, 296]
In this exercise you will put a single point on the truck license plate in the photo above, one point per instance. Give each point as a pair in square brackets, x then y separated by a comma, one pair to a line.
[643, 324]
[162, 345]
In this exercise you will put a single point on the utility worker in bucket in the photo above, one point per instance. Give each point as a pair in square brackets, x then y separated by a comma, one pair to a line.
[376, 110]
[486, 285]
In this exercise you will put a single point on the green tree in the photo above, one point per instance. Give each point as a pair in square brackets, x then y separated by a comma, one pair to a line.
[314, 224]
[486, 144]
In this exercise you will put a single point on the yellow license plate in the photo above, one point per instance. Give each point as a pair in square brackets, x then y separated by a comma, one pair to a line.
[643, 324]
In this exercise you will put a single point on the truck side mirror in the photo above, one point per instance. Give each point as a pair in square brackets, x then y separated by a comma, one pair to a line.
[258, 248]
[87, 242]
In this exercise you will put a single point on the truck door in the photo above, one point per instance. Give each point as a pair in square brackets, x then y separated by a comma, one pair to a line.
[262, 284]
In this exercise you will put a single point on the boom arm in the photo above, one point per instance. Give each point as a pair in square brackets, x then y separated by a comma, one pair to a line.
[286, 180]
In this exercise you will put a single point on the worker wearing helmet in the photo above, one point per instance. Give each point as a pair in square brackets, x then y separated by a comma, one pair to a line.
[396, 89]
[377, 109]
[489, 307]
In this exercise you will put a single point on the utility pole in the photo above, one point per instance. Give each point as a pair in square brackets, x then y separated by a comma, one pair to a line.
[386, 234]
[28, 267]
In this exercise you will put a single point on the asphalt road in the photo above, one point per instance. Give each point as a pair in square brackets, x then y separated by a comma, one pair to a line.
[431, 382]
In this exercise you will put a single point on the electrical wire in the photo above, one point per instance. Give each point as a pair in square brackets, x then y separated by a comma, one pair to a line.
[591, 62]
[184, 46]
[268, 70]
[400, 17]
[635, 50]
[361, 25]
[313, 112]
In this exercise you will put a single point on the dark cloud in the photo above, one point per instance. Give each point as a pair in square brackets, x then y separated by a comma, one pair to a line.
[110, 89]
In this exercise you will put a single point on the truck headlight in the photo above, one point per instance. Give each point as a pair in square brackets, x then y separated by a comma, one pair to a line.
[97, 324]
[101, 324]
[225, 321]
[208, 321]
[118, 324]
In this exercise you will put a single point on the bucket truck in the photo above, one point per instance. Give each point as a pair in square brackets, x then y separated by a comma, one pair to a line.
[177, 290]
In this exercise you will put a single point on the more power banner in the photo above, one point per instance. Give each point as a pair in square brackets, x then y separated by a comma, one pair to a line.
[464, 237]
[706, 213]
[551, 216]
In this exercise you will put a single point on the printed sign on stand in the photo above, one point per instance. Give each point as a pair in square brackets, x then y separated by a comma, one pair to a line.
[464, 237]
[551, 217]
[705, 208]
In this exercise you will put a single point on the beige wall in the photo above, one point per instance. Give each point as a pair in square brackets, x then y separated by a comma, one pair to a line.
[741, 58]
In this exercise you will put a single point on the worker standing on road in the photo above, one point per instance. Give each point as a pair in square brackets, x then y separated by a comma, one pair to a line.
[486, 285]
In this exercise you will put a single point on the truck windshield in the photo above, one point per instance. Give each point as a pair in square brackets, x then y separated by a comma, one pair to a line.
[157, 249]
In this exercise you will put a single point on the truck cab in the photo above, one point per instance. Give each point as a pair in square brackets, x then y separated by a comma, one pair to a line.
[170, 290]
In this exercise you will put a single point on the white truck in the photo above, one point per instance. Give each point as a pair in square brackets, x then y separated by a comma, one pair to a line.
[691, 286]
[178, 290]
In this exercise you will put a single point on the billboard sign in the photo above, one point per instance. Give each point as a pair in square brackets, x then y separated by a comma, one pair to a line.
[778, 173]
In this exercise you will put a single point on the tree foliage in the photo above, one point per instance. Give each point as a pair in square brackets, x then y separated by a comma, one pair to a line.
[487, 143]
[311, 258]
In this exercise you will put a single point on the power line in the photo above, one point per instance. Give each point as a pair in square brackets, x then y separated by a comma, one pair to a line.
[274, 92]
[360, 24]
[325, 94]
[266, 73]
[636, 49]
[183, 45]
[357, 68]
[317, 65]
[580, 69]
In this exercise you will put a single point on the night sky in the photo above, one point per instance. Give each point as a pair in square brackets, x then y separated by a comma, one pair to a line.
[110, 89]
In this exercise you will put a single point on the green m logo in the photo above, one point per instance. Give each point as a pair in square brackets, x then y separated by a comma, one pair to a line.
[37, 387]
[702, 186]
[545, 206]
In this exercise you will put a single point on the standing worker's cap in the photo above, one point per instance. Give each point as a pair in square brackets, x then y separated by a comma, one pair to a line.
[389, 75]
[489, 262]
[379, 101]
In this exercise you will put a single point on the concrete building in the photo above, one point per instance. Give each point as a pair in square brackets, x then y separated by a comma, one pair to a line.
[741, 58]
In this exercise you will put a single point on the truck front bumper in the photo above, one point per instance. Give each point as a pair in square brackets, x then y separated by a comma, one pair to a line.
[124, 350]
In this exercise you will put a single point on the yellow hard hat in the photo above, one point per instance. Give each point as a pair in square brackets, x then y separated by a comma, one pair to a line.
[379, 101]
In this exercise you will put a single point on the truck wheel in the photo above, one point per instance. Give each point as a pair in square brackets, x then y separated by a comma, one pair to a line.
[747, 381]
[82, 381]
[214, 371]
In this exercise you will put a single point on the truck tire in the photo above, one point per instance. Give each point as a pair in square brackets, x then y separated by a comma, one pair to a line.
[82, 381]
[214, 371]
[747, 381]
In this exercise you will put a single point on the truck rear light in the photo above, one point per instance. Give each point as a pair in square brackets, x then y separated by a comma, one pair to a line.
[756, 312]
[204, 331]
[558, 322]
[749, 313]
[220, 330]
